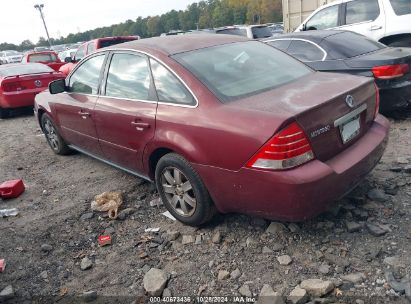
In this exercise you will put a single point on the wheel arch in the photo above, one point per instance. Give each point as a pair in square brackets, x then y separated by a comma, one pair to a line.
[392, 38]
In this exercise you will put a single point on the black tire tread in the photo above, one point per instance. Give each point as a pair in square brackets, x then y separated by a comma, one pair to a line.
[64, 149]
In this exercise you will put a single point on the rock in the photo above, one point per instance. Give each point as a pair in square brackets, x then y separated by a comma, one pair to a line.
[377, 195]
[155, 281]
[324, 269]
[393, 261]
[277, 247]
[245, 291]
[89, 296]
[109, 231]
[352, 226]
[167, 293]
[402, 160]
[217, 237]
[354, 277]
[235, 274]
[44, 275]
[46, 248]
[172, 235]
[375, 230]
[199, 239]
[398, 286]
[187, 239]
[317, 287]
[86, 216]
[266, 250]
[269, 296]
[156, 202]
[251, 242]
[359, 301]
[86, 263]
[222, 275]
[258, 222]
[336, 260]
[293, 227]
[123, 214]
[275, 228]
[284, 259]
[298, 295]
[7, 293]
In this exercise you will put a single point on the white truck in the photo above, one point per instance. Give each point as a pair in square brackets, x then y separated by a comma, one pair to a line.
[387, 21]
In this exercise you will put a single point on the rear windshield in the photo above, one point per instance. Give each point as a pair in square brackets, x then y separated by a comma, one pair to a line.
[348, 45]
[242, 69]
[261, 32]
[42, 58]
[24, 69]
[401, 7]
[110, 42]
[233, 31]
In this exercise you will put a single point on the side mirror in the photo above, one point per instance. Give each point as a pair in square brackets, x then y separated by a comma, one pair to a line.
[57, 86]
[68, 59]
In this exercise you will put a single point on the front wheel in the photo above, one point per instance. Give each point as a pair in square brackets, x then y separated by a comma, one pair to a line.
[182, 191]
[55, 141]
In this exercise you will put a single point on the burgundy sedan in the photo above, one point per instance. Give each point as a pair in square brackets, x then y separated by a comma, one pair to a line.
[220, 123]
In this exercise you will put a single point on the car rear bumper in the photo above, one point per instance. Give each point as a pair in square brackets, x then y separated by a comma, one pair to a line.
[19, 99]
[395, 97]
[301, 193]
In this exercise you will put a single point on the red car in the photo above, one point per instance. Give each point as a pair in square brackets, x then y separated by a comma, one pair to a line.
[19, 84]
[90, 47]
[48, 58]
[219, 123]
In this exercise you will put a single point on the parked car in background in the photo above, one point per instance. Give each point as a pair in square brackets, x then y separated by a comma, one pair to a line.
[251, 31]
[280, 138]
[19, 84]
[91, 46]
[67, 55]
[58, 48]
[41, 49]
[10, 57]
[48, 58]
[386, 21]
[352, 53]
[276, 28]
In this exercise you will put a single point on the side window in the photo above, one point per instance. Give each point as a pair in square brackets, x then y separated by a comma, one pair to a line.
[305, 51]
[128, 77]
[169, 88]
[90, 48]
[280, 44]
[361, 10]
[85, 78]
[81, 52]
[324, 19]
[401, 7]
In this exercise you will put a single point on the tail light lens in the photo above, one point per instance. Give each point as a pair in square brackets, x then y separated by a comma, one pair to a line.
[377, 100]
[11, 86]
[391, 71]
[287, 149]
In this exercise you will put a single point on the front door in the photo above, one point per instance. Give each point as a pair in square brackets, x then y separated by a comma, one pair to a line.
[126, 110]
[75, 111]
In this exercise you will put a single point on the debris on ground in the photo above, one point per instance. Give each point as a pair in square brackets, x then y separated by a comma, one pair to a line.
[157, 202]
[8, 212]
[2, 265]
[155, 230]
[11, 189]
[108, 201]
[104, 240]
[169, 215]
[155, 280]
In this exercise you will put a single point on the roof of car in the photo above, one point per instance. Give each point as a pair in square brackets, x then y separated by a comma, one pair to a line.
[316, 35]
[179, 43]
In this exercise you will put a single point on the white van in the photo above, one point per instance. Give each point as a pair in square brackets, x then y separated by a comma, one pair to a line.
[387, 21]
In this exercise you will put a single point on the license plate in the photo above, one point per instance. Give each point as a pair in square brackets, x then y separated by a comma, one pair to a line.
[350, 129]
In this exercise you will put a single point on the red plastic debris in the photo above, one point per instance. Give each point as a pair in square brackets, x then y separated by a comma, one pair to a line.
[104, 240]
[2, 265]
[11, 189]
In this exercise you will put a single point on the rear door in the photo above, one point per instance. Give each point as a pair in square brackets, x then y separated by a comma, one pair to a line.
[398, 16]
[126, 111]
[75, 109]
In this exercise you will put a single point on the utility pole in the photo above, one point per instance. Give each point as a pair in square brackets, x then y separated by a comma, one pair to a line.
[40, 8]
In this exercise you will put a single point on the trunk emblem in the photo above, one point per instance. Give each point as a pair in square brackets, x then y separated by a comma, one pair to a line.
[349, 100]
[37, 83]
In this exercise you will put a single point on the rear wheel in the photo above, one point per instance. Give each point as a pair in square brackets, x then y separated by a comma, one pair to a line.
[182, 191]
[4, 113]
[55, 141]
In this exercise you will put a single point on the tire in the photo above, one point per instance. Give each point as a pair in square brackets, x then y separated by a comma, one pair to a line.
[400, 42]
[54, 139]
[4, 113]
[182, 191]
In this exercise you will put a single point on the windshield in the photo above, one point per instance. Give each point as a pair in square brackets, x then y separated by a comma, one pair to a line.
[24, 69]
[42, 58]
[242, 69]
[261, 32]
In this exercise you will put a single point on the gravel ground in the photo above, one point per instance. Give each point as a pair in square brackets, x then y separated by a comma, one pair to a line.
[359, 252]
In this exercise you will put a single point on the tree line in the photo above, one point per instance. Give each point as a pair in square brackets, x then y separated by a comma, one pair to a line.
[202, 15]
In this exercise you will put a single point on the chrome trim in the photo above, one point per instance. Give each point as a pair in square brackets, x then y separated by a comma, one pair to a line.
[350, 115]
[305, 40]
[155, 58]
[109, 163]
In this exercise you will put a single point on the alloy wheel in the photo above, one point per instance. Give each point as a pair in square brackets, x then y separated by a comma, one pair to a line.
[51, 135]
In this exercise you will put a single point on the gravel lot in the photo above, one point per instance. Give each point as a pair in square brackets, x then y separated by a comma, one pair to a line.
[56, 234]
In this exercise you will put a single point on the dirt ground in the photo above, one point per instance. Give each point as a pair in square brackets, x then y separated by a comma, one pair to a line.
[44, 245]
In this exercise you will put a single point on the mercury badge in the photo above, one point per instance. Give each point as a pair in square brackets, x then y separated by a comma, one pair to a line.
[349, 100]
[37, 83]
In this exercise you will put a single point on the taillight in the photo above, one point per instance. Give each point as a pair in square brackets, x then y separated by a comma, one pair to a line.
[11, 86]
[287, 149]
[377, 101]
[391, 71]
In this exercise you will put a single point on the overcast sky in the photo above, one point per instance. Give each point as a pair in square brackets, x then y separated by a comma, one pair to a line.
[19, 20]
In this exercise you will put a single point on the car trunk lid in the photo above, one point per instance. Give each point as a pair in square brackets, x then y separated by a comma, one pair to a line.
[29, 82]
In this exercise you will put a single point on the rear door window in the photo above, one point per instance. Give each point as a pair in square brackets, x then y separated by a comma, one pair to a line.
[324, 19]
[305, 51]
[280, 44]
[361, 10]
[401, 7]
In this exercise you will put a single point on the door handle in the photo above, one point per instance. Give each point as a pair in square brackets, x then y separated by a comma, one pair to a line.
[140, 126]
[375, 27]
[83, 114]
